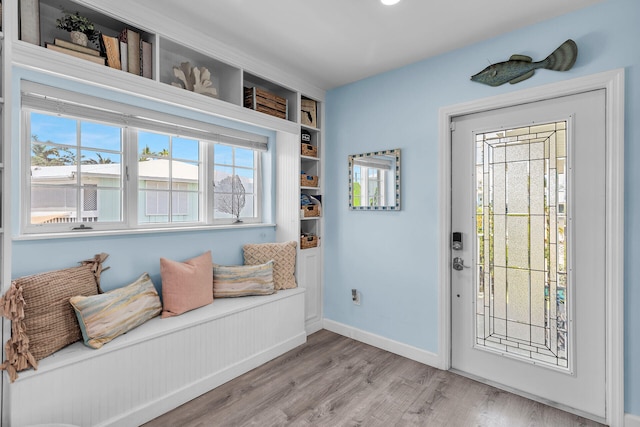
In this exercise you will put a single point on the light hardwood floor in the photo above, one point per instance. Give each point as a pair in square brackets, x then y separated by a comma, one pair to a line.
[336, 381]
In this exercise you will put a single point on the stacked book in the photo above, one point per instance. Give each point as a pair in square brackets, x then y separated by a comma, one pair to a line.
[76, 50]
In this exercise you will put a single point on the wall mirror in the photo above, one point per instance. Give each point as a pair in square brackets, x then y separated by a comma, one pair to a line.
[374, 180]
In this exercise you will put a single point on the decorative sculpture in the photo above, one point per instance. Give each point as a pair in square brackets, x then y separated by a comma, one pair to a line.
[521, 67]
[194, 79]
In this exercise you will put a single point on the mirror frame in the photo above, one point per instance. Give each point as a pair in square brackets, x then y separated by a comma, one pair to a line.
[395, 153]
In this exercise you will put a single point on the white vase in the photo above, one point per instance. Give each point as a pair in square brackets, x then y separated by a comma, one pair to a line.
[79, 38]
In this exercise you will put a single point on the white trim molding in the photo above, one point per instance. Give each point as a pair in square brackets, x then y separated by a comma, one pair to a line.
[401, 349]
[613, 83]
[631, 420]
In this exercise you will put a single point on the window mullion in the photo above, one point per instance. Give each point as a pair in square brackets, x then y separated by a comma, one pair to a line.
[78, 183]
[207, 178]
[130, 176]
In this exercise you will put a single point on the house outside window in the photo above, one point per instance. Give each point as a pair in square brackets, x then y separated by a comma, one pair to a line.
[74, 164]
[104, 170]
[168, 178]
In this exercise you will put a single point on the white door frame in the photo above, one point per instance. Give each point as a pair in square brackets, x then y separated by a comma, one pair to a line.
[613, 83]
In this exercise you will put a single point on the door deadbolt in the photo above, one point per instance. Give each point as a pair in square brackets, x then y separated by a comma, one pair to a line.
[456, 241]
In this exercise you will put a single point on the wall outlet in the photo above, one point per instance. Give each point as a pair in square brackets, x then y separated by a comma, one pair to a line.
[355, 296]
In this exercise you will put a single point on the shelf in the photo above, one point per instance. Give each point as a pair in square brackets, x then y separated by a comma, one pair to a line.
[251, 80]
[226, 79]
[311, 165]
[309, 128]
[51, 10]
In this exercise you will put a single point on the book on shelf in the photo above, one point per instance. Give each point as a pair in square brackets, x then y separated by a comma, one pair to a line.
[124, 56]
[30, 21]
[73, 46]
[97, 59]
[111, 47]
[145, 59]
[132, 39]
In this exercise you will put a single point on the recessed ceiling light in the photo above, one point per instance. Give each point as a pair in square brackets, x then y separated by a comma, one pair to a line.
[389, 2]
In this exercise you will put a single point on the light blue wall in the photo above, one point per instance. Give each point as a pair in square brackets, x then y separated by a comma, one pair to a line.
[132, 254]
[391, 257]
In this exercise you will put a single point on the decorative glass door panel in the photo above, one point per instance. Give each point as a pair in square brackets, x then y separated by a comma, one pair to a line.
[521, 258]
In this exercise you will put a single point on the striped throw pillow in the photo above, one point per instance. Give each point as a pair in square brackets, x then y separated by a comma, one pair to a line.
[243, 280]
[106, 316]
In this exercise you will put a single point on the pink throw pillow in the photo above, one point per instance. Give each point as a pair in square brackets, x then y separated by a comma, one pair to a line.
[186, 285]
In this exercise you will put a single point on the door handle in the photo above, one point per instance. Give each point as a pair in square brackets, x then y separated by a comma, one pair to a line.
[458, 264]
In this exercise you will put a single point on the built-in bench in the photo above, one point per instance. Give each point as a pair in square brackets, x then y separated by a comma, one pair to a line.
[159, 365]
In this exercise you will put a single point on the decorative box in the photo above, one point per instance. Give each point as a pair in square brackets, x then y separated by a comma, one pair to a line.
[265, 102]
[308, 114]
[305, 136]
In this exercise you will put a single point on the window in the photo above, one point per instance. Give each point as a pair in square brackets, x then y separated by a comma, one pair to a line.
[116, 167]
[74, 165]
[234, 176]
[168, 178]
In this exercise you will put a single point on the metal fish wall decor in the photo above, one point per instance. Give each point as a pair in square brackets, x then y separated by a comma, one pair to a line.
[521, 67]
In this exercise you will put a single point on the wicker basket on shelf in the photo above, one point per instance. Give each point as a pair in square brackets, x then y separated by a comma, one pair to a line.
[310, 211]
[308, 180]
[309, 150]
[307, 242]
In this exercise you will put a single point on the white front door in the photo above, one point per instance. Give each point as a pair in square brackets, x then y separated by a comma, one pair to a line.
[528, 285]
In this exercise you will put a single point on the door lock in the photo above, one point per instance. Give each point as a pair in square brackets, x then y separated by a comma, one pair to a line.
[458, 264]
[456, 241]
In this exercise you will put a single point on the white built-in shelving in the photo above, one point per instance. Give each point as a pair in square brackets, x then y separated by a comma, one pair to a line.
[231, 71]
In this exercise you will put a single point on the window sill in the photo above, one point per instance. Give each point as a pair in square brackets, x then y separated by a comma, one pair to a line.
[98, 233]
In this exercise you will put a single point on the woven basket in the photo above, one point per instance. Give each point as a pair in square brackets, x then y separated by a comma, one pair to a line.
[310, 211]
[308, 180]
[307, 242]
[309, 150]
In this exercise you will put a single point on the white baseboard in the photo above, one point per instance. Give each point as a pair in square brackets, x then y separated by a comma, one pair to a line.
[631, 420]
[312, 327]
[384, 343]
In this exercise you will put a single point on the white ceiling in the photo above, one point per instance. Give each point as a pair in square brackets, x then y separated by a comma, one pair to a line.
[334, 42]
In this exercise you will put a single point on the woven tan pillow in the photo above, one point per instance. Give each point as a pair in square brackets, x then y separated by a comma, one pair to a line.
[284, 257]
[42, 319]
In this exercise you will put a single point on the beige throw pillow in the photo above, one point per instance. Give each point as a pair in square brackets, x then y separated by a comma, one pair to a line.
[284, 261]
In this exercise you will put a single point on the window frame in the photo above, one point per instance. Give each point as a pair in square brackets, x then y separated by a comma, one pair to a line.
[26, 205]
[207, 135]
